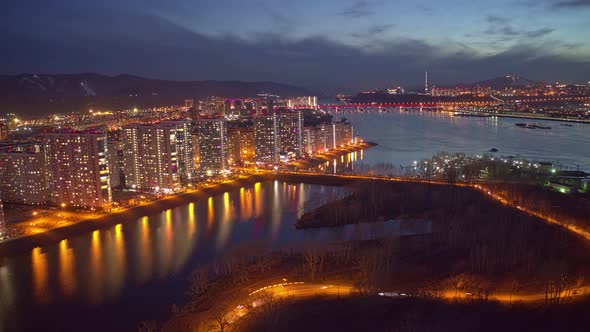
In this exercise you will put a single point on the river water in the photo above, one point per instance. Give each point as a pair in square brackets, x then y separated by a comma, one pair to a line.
[112, 278]
[405, 137]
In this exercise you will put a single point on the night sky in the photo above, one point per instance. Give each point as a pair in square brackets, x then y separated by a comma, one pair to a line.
[325, 44]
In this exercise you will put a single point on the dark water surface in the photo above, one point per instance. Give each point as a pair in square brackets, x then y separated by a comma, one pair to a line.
[405, 137]
[112, 278]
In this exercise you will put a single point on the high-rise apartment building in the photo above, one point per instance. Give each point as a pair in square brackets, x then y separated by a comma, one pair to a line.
[317, 138]
[184, 150]
[2, 221]
[267, 139]
[196, 148]
[23, 173]
[302, 102]
[3, 131]
[78, 168]
[240, 142]
[291, 132]
[213, 145]
[247, 148]
[233, 145]
[327, 136]
[116, 162]
[189, 103]
[343, 133]
[151, 161]
[310, 139]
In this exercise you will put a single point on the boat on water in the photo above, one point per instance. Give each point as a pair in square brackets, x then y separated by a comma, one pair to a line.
[566, 125]
[531, 126]
[541, 127]
[472, 114]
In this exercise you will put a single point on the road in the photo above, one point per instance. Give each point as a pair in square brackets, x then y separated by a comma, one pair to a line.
[304, 290]
[291, 290]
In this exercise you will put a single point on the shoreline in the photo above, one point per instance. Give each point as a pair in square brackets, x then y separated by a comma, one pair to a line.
[330, 155]
[531, 117]
[56, 234]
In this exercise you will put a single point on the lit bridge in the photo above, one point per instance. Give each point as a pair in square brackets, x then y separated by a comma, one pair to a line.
[491, 101]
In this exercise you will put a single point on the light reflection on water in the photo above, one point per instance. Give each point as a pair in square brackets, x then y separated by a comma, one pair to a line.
[136, 270]
[39, 267]
[66, 268]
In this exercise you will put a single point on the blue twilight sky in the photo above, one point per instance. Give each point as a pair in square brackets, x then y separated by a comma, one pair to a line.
[320, 44]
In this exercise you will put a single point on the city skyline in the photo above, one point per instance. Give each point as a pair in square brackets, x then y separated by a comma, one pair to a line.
[328, 45]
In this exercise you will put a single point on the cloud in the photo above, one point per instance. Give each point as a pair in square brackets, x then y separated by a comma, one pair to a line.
[358, 10]
[572, 4]
[278, 20]
[425, 8]
[493, 19]
[380, 28]
[373, 34]
[509, 33]
[501, 26]
[538, 33]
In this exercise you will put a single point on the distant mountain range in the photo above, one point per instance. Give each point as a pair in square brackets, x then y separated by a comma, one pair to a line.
[30, 94]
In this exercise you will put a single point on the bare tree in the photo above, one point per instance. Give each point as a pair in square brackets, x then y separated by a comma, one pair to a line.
[220, 323]
[362, 275]
[514, 289]
[314, 261]
[432, 289]
[148, 326]
[263, 264]
[468, 285]
[560, 289]
[199, 282]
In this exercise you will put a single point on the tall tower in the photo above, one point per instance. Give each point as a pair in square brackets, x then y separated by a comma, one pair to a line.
[426, 82]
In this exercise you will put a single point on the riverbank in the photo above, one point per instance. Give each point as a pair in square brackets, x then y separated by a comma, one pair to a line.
[58, 233]
[321, 158]
[527, 116]
[539, 117]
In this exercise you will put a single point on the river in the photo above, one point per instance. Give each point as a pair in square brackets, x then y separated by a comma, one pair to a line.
[405, 137]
